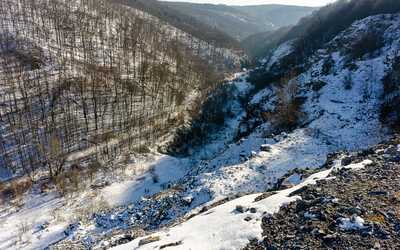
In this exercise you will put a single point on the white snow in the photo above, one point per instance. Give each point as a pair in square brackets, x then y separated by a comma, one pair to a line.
[309, 215]
[282, 51]
[223, 227]
[163, 169]
[18, 227]
[358, 166]
[353, 223]
[233, 174]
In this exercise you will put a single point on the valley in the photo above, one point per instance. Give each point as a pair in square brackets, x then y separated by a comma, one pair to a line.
[130, 131]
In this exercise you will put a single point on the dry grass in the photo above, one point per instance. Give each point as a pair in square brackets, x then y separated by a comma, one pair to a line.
[23, 228]
[84, 213]
[15, 189]
[376, 218]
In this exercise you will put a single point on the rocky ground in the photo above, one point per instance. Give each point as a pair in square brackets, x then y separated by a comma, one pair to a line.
[354, 209]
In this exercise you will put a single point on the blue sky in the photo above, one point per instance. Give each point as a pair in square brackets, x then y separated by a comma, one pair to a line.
[256, 2]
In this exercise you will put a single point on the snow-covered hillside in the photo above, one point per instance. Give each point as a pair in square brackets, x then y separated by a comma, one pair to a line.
[337, 117]
[216, 198]
[117, 80]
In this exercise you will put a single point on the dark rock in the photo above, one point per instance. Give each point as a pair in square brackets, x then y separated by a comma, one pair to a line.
[330, 238]
[347, 161]
[396, 158]
[366, 152]
[391, 151]
[99, 184]
[378, 193]
[354, 211]
[380, 232]
[397, 228]
[71, 228]
[265, 148]
[122, 239]
[248, 218]
[148, 240]
[240, 209]
[318, 85]
[171, 245]
[302, 205]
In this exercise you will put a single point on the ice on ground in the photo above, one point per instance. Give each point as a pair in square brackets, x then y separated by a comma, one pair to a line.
[294, 179]
[309, 215]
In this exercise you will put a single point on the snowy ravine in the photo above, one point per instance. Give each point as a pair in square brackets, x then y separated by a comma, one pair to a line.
[155, 190]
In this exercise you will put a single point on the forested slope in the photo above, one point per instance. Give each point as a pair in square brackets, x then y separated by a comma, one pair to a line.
[314, 31]
[183, 20]
[83, 81]
[240, 22]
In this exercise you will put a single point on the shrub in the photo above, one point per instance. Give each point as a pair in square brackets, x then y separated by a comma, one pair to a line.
[288, 109]
[369, 43]
[348, 82]
[84, 213]
[23, 228]
[14, 189]
[390, 112]
[61, 185]
[328, 65]
[154, 176]
[92, 168]
[21, 186]
[208, 118]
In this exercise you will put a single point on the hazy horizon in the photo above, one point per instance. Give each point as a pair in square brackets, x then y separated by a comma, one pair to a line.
[311, 3]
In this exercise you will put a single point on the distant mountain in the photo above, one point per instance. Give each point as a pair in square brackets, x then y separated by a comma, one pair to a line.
[242, 21]
[184, 21]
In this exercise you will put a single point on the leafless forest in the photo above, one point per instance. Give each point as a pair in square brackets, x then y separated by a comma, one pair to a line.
[84, 80]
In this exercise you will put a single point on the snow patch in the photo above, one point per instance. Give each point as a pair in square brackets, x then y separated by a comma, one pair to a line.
[164, 170]
[354, 166]
[353, 223]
